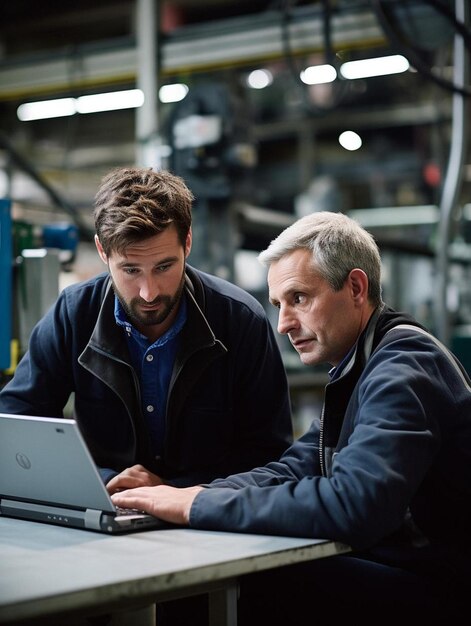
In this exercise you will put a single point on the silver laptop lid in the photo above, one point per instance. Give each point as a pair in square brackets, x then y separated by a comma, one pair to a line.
[45, 459]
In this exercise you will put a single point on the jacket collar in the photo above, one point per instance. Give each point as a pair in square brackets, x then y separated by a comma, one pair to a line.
[364, 344]
[338, 393]
[107, 337]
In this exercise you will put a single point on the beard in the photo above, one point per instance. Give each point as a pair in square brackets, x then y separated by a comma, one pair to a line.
[139, 317]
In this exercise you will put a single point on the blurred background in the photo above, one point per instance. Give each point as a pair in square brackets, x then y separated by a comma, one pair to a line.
[270, 109]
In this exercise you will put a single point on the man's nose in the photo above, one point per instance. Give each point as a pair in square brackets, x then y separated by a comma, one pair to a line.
[286, 321]
[149, 288]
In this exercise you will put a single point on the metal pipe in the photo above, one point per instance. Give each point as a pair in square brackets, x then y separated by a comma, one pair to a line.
[147, 116]
[449, 206]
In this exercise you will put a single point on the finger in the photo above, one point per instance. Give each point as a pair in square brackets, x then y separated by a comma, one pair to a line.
[130, 501]
[118, 483]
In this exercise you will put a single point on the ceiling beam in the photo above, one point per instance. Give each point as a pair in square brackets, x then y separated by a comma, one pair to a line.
[225, 43]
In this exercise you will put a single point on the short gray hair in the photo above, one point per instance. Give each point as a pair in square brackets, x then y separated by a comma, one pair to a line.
[338, 245]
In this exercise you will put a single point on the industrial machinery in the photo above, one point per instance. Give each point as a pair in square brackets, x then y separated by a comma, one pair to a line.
[31, 259]
[209, 133]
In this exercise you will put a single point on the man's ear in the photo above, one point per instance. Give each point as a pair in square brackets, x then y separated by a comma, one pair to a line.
[358, 282]
[100, 250]
[188, 242]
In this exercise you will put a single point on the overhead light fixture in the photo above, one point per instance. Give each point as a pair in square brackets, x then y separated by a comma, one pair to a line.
[46, 109]
[259, 79]
[350, 140]
[173, 93]
[318, 74]
[96, 103]
[378, 66]
[113, 101]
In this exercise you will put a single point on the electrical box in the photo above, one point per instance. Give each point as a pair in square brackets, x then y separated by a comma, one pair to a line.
[38, 288]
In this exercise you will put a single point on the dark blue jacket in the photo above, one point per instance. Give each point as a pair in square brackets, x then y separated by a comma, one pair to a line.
[388, 462]
[228, 406]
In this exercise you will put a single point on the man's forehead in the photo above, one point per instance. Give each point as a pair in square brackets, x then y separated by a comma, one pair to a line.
[295, 274]
[292, 266]
[154, 244]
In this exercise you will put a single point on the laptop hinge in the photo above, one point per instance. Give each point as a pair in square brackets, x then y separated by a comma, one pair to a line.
[92, 519]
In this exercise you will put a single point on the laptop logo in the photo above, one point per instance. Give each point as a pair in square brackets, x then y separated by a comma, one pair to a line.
[23, 461]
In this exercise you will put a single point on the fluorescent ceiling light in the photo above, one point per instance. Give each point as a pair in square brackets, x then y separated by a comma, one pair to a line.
[46, 109]
[318, 74]
[62, 107]
[113, 101]
[172, 93]
[379, 66]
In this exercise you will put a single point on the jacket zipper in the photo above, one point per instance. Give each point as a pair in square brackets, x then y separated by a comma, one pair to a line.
[321, 442]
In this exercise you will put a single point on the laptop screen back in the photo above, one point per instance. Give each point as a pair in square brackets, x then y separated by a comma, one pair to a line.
[46, 460]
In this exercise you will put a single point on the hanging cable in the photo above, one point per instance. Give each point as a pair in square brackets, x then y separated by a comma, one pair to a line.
[409, 50]
[339, 86]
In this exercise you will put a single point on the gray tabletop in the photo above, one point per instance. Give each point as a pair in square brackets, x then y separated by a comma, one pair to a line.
[46, 570]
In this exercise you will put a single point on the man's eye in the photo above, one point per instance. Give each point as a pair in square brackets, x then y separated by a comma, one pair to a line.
[298, 298]
[129, 270]
[164, 268]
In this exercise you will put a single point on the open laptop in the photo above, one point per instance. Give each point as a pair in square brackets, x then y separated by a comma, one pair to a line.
[47, 474]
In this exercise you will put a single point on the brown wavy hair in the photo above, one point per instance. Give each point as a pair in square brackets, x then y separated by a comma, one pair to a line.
[135, 203]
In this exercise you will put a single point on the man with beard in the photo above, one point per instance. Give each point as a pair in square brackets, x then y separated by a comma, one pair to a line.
[175, 374]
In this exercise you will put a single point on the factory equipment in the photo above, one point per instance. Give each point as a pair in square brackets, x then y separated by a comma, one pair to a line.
[36, 287]
[212, 149]
[31, 259]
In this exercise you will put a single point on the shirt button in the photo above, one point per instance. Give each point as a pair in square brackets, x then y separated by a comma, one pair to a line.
[149, 358]
[149, 408]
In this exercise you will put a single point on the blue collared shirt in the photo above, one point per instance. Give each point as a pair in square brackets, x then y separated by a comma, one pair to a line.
[154, 365]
